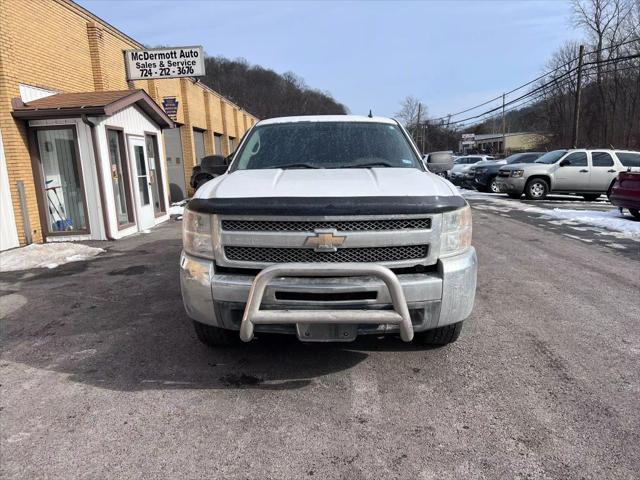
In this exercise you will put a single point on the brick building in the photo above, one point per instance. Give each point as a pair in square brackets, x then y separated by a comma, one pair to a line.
[84, 154]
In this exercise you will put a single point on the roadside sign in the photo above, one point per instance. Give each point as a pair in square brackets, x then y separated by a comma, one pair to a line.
[170, 107]
[468, 137]
[171, 62]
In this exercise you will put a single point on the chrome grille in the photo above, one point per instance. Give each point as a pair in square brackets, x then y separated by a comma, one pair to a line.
[361, 254]
[340, 225]
[503, 174]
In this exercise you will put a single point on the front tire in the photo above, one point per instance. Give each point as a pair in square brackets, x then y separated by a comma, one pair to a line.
[590, 197]
[536, 189]
[214, 336]
[439, 337]
[635, 213]
[493, 186]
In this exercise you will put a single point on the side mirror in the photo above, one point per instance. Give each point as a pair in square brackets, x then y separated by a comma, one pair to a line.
[439, 162]
[214, 164]
[565, 163]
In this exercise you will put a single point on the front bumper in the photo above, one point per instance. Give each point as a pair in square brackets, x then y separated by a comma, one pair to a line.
[456, 178]
[510, 184]
[482, 180]
[435, 298]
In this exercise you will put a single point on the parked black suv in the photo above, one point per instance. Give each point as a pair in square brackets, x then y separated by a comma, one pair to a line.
[210, 167]
[483, 174]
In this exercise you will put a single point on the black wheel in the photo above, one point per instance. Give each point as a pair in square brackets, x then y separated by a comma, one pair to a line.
[493, 186]
[536, 189]
[214, 336]
[590, 197]
[635, 213]
[514, 195]
[438, 337]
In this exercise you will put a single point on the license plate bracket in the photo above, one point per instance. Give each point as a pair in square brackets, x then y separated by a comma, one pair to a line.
[332, 332]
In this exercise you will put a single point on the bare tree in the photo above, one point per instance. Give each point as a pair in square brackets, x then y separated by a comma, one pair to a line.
[604, 21]
[408, 113]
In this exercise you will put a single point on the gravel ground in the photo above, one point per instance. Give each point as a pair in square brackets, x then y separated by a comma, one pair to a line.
[102, 376]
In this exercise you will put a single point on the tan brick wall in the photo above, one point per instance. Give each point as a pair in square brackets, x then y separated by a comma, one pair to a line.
[216, 114]
[57, 45]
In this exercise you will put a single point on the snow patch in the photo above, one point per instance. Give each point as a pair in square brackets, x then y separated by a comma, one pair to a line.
[47, 255]
[177, 209]
[611, 219]
[475, 193]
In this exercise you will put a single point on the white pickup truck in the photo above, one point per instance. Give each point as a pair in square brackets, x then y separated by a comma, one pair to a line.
[328, 227]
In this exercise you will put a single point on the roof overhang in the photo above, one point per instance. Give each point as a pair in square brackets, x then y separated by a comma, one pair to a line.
[68, 106]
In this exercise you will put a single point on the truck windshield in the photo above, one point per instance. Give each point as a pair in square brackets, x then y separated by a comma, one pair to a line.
[551, 157]
[326, 145]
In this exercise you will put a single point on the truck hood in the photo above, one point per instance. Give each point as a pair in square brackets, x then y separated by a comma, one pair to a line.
[347, 182]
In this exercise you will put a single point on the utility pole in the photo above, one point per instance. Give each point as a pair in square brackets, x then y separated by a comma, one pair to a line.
[576, 107]
[418, 122]
[504, 129]
[424, 134]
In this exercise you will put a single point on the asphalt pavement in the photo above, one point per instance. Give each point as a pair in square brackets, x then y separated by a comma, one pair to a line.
[103, 377]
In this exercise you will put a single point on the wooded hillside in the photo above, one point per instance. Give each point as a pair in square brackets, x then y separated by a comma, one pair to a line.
[266, 93]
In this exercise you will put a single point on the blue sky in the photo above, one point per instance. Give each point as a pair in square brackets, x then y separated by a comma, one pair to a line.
[449, 54]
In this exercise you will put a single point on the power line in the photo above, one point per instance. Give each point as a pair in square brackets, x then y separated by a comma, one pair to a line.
[554, 80]
[539, 78]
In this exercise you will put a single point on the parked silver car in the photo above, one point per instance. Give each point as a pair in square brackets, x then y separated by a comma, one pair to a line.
[462, 164]
[589, 173]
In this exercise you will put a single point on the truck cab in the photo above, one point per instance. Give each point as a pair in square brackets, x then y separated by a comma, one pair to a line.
[328, 228]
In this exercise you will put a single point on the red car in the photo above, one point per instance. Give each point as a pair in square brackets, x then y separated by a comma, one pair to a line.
[625, 192]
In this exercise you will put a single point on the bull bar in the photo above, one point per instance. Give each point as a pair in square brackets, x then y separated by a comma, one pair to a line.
[398, 316]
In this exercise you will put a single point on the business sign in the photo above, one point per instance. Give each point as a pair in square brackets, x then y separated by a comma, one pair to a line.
[170, 107]
[468, 137]
[164, 63]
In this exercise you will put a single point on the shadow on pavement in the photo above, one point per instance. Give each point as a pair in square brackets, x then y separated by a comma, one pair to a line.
[117, 322]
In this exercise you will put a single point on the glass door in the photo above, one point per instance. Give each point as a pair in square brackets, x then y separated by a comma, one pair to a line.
[120, 179]
[155, 172]
[142, 184]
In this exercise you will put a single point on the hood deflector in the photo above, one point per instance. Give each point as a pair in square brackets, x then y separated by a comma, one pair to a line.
[324, 206]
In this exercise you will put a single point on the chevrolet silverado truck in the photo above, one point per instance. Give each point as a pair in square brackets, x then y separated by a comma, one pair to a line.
[328, 228]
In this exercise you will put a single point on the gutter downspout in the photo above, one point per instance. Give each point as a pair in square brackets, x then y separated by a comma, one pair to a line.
[96, 156]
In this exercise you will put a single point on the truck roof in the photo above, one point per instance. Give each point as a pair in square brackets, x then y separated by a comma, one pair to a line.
[327, 118]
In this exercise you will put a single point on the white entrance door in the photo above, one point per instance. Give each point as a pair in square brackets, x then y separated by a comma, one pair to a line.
[142, 184]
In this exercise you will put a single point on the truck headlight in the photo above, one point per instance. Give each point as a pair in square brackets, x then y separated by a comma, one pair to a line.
[517, 173]
[456, 231]
[196, 234]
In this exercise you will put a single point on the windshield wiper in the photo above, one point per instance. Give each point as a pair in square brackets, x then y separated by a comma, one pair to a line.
[369, 165]
[294, 165]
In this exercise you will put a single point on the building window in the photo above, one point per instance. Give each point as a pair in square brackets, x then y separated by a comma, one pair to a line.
[232, 145]
[157, 183]
[120, 178]
[217, 143]
[62, 185]
[198, 140]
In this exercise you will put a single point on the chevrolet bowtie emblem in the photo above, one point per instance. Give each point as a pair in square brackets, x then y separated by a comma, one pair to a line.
[324, 241]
